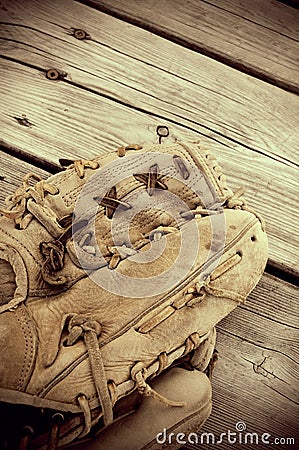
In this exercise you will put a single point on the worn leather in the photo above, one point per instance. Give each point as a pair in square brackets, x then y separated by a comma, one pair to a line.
[149, 427]
[62, 330]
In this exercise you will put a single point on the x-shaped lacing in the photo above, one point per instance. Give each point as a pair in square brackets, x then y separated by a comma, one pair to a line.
[151, 179]
[111, 202]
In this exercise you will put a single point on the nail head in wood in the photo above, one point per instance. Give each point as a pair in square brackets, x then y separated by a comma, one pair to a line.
[80, 34]
[162, 131]
[55, 74]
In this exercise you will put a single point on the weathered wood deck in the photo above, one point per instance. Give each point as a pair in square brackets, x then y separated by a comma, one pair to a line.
[225, 72]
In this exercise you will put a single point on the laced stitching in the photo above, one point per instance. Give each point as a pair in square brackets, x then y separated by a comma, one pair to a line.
[81, 326]
[151, 179]
[81, 164]
[139, 374]
[111, 202]
[17, 202]
[121, 151]
[234, 201]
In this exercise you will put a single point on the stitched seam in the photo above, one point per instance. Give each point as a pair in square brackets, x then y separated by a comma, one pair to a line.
[28, 346]
[73, 172]
[205, 165]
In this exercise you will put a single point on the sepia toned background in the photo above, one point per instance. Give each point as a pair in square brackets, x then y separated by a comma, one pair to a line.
[224, 72]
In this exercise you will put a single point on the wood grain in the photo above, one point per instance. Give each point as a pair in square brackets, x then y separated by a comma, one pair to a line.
[71, 122]
[255, 379]
[281, 308]
[201, 94]
[246, 388]
[246, 35]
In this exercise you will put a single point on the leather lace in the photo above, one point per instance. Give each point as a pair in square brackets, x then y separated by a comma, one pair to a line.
[234, 201]
[121, 151]
[139, 374]
[17, 208]
[237, 202]
[79, 165]
[17, 202]
[89, 329]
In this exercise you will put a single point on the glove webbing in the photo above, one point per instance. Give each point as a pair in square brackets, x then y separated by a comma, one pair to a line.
[17, 203]
[18, 208]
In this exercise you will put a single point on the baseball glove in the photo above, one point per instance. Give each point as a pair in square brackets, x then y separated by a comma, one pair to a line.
[114, 270]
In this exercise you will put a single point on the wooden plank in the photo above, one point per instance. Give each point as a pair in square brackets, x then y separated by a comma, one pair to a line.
[72, 122]
[293, 3]
[259, 37]
[280, 308]
[272, 15]
[255, 379]
[277, 336]
[227, 104]
[246, 389]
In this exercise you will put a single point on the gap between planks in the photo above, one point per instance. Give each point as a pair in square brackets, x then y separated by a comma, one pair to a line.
[292, 3]
[259, 38]
[228, 105]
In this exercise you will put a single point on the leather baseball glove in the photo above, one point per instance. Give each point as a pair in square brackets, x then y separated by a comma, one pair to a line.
[112, 271]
